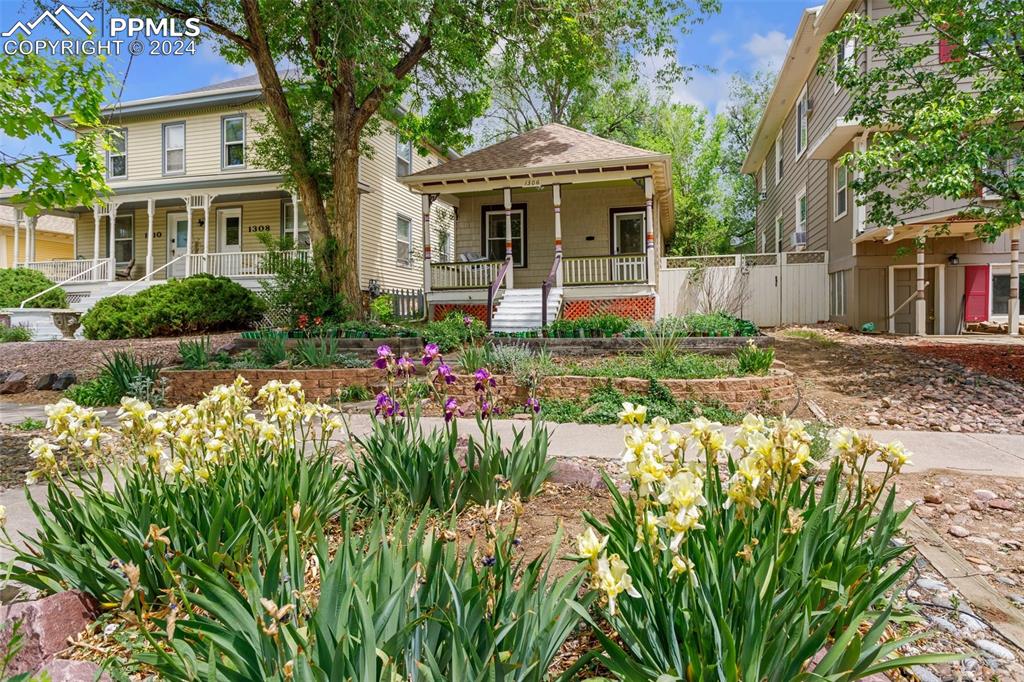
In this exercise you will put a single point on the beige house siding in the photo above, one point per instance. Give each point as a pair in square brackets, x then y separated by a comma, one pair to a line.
[586, 224]
[49, 246]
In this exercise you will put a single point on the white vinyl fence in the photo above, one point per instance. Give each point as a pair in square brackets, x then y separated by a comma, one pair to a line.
[769, 289]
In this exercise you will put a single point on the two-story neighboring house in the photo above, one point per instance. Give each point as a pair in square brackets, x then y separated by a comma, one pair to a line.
[190, 197]
[876, 272]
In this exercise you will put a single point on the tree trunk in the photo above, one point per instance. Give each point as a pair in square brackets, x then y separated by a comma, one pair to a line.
[339, 255]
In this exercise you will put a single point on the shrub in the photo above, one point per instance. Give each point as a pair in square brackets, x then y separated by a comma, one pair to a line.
[704, 324]
[15, 333]
[753, 575]
[685, 366]
[195, 353]
[396, 603]
[383, 309]
[200, 303]
[121, 374]
[271, 349]
[124, 524]
[753, 360]
[315, 352]
[17, 284]
[453, 331]
[297, 288]
[604, 404]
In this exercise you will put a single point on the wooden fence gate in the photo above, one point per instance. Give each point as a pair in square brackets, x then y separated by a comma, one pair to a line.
[769, 289]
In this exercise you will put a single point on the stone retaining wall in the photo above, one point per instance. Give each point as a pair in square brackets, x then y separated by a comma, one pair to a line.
[772, 393]
[575, 347]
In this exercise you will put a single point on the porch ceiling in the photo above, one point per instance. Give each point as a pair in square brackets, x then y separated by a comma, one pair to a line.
[951, 228]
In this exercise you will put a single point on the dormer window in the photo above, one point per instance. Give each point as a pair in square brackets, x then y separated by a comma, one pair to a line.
[117, 154]
[174, 148]
[403, 158]
[233, 141]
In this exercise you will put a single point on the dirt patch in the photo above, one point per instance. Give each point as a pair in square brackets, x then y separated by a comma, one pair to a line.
[1006, 362]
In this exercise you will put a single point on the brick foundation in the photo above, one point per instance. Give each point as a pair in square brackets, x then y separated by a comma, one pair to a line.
[640, 308]
[477, 310]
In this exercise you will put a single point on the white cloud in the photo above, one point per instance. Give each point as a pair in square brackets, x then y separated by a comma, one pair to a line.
[221, 70]
[709, 90]
[769, 50]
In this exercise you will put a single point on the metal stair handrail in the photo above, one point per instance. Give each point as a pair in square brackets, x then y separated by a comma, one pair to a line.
[150, 275]
[104, 261]
[545, 289]
[492, 291]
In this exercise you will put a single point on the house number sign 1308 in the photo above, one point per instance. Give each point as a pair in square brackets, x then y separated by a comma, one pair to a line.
[258, 228]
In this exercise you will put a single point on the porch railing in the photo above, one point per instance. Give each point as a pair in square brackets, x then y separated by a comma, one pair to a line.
[72, 270]
[584, 270]
[95, 266]
[473, 275]
[238, 264]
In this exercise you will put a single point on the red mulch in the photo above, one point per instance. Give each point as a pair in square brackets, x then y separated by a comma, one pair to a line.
[1005, 362]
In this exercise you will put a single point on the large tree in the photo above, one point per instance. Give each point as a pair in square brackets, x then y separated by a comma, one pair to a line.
[420, 64]
[947, 110]
[43, 102]
[747, 99]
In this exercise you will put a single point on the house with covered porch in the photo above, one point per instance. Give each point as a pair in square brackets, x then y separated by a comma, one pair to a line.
[553, 222]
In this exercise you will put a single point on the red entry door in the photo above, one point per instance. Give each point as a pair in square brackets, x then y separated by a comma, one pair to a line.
[976, 285]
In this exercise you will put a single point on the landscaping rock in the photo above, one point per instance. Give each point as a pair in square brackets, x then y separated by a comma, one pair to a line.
[959, 531]
[45, 382]
[1004, 505]
[3, 376]
[16, 382]
[46, 625]
[934, 496]
[984, 495]
[574, 473]
[64, 381]
[63, 670]
[997, 650]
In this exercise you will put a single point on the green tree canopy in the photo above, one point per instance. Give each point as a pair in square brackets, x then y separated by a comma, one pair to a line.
[947, 110]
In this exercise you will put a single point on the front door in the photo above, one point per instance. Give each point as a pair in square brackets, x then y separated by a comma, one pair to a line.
[177, 241]
[628, 240]
[229, 240]
[904, 286]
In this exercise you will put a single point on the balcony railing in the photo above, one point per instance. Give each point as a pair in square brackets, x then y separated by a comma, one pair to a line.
[585, 270]
[76, 271]
[239, 264]
[474, 275]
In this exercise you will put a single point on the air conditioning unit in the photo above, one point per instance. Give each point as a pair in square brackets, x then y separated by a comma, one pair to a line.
[799, 239]
[762, 196]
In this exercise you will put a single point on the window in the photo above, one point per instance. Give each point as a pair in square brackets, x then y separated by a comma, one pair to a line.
[124, 239]
[403, 158]
[403, 240]
[764, 176]
[778, 158]
[117, 155]
[840, 176]
[1001, 294]
[843, 57]
[287, 222]
[444, 246]
[801, 122]
[174, 148]
[837, 293]
[233, 141]
[778, 233]
[800, 211]
[494, 233]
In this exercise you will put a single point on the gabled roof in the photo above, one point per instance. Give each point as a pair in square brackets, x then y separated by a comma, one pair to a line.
[553, 144]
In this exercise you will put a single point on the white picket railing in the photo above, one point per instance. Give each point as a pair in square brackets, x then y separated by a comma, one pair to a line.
[72, 270]
[239, 263]
[604, 270]
[475, 275]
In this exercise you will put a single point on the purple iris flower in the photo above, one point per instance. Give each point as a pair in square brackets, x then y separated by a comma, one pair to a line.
[384, 356]
[444, 371]
[483, 378]
[451, 406]
[405, 366]
[387, 406]
[533, 404]
[468, 320]
[430, 351]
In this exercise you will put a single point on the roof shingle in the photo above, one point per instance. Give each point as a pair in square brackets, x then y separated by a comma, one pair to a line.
[548, 145]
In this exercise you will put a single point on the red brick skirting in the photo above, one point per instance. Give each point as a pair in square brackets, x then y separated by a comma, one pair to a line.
[634, 307]
[772, 393]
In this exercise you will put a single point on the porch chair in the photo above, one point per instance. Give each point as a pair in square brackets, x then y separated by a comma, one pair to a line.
[126, 271]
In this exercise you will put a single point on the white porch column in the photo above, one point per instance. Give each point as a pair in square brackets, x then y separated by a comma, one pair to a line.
[295, 222]
[425, 199]
[17, 221]
[920, 303]
[206, 233]
[649, 226]
[30, 239]
[556, 198]
[111, 224]
[508, 236]
[1014, 301]
[150, 210]
[188, 236]
[96, 233]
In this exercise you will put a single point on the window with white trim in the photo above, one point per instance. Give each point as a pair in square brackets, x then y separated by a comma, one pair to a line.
[124, 239]
[494, 235]
[286, 225]
[843, 56]
[837, 293]
[117, 155]
[1001, 293]
[778, 158]
[403, 240]
[778, 233]
[444, 246]
[840, 189]
[403, 157]
[174, 148]
[233, 137]
[800, 215]
[801, 122]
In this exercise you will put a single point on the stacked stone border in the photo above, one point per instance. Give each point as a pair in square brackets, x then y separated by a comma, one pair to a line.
[773, 392]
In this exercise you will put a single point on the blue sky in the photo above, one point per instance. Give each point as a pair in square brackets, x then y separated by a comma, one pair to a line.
[747, 35]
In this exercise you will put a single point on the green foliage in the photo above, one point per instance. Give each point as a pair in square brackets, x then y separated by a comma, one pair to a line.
[315, 352]
[472, 358]
[121, 374]
[393, 603]
[600, 324]
[271, 349]
[353, 394]
[17, 284]
[195, 353]
[15, 334]
[298, 289]
[200, 303]
[655, 366]
[453, 331]
[383, 309]
[37, 93]
[753, 360]
[94, 392]
[30, 424]
[811, 335]
[945, 130]
[704, 324]
[604, 404]
[750, 578]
